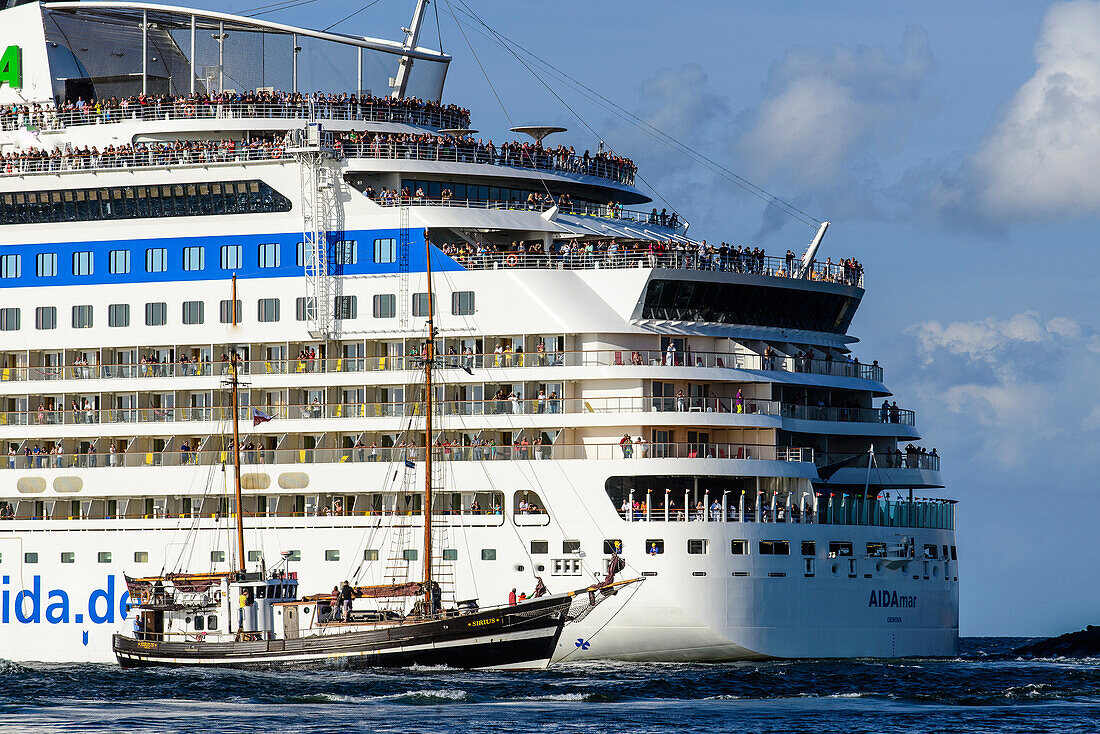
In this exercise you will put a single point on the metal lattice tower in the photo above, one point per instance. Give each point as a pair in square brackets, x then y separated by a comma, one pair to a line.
[318, 215]
[403, 266]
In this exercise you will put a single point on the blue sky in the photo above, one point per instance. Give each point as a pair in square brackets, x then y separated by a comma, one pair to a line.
[953, 146]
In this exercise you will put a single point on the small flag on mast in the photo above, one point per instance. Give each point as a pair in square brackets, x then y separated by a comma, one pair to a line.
[258, 417]
[409, 464]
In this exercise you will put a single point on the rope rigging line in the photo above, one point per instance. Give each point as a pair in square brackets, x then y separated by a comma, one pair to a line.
[644, 126]
[352, 15]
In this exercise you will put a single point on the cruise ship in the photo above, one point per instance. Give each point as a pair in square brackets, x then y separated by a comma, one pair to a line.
[608, 383]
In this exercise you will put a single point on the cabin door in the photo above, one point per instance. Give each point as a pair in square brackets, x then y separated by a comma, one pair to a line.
[290, 622]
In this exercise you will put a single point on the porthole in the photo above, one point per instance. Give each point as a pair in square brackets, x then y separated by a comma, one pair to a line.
[878, 567]
[519, 567]
[540, 568]
[836, 569]
[935, 572]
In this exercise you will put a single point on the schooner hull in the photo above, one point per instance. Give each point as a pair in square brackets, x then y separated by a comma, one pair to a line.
[523, 636]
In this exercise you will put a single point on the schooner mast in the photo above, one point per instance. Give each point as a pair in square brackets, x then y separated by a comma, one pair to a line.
[429, 358]
[236, 438]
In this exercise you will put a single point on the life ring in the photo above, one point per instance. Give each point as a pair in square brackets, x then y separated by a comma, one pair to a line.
[217, 597]
[511, 261]
[146, 597]
[189, 110]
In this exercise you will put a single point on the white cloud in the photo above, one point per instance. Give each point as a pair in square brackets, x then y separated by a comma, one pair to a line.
[1011, 391]
[1040, 158]
[825, 112]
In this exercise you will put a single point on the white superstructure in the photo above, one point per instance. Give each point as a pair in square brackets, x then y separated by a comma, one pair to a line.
[122, 224]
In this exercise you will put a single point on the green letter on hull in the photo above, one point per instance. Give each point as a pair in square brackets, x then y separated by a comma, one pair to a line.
[11, 67]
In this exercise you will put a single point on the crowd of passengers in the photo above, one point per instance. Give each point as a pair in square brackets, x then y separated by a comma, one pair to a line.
[139, 154]
[234, 104]
[699, 511]
[459, 149]
[667, 253]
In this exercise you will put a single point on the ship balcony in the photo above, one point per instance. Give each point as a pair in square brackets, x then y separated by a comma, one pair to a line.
[655, 225]
[648, 257]
[806, 510]
[604, 411]
[258, 458]
[624, 358]
[890, 469]
[185, 110]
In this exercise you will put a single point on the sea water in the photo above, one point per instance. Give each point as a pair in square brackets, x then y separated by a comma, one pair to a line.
[985, 689]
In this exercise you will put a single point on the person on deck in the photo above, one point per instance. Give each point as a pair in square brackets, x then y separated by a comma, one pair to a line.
[346, 595]
[512, 597]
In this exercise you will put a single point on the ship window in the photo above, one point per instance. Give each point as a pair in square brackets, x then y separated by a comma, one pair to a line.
[11, 266]
[347, 307]
[82, 317]
[462, 303]
[488, 554]
[876, 550]
[156, 260]
[118, 314]
[570, 546]
[332, 555]
[82, 263]
[347, 252]
[231, 257]
[200, 623]
[301, 256]
[254, 556]
[156, 313]
[385, 250]
[305, 308]
[30, 558]
[839, 548]
[809, 548]
[294, 555]
[141, 556]
[370, 554]
[539, 547]
[103, 557]
[267, 255]
[697, 546]
[739, 547]
[774, 548]
[193, 312]
[420, 304]
[566, 567]
[930, 551]
[118, 262]
[225, 311]
[612, 546]
[385, 306]
[954, 557]
[46, 264]
[9, 319]
[268, 310]
[217, 556]
[68, 557]
[409, 554]
[45, 317]
[194, 258]
[212, 622]
[654, 546]
[450, 554]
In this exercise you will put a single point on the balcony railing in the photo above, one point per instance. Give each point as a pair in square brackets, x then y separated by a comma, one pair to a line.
[159, 155]
[886, 460]
[580, 210]
[441, 151]
[490, 360]
[831, 510]
[488, 452]
[51, 119]
[490, 407]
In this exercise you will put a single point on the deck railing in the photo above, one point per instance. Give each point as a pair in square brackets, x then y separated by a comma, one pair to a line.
[490, 360]
[885, 460]
[490, 407]
[831, 510]
[52, 119]
[525, 452]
